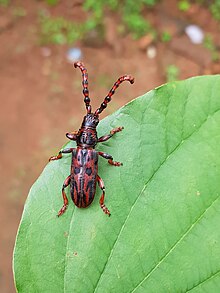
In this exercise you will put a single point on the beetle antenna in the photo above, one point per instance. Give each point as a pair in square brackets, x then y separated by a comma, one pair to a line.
[85, 85]
[112, 91]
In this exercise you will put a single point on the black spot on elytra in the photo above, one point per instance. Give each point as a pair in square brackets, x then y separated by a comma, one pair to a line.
[76, 170]
[89, 171]
[90, 189]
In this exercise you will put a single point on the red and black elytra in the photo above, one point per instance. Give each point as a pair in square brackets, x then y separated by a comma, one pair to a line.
[84, 166]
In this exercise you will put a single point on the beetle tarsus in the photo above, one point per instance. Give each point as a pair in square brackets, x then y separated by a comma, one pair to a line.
[115, 130]
[102, 198]
[113, 163]
[105, 210]
[62, 210]
[59, 156]
[65, 199]
[112, 132]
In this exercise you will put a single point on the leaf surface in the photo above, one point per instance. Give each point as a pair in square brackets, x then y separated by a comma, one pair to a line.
[164, 232]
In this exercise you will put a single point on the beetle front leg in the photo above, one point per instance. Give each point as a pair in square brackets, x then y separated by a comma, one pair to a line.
[59, 156]
[72, 135]
[110, 159]
[102, 198]
[65, 199]
[112, 132]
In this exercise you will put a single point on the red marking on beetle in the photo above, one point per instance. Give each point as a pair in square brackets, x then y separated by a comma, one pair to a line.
[84, 167]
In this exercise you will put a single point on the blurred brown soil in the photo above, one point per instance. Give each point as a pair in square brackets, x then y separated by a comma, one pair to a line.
[41, 96]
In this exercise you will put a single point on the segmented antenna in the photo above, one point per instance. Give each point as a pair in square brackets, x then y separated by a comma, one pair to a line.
[85, 85]
[112, 91]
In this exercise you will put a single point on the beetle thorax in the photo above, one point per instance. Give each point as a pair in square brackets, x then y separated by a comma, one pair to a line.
[87, 135]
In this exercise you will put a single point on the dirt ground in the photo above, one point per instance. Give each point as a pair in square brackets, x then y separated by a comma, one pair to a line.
[41, 95]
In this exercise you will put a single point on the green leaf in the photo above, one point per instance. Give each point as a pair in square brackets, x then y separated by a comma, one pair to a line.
[164, 232]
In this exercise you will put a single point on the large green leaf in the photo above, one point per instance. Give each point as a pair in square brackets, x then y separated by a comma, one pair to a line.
[164, 232]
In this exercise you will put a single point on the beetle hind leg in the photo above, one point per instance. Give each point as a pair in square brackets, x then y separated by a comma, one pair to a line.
[110, 159]
[65, 199]
[113, 163]
[102, 198]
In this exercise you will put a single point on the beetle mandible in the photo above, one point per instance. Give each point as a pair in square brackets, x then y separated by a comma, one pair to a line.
[84, 166]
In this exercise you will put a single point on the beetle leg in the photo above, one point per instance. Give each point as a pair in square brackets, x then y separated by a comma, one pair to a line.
[112, 132]
[65, 199]
[102, 198]
[110, 159]
[72, 135]
[59, 156]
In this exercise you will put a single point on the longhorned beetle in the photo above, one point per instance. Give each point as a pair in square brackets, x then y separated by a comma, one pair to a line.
[84, 166]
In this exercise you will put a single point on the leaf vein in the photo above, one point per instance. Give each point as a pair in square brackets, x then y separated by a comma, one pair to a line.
[205, 280]
[177, 242]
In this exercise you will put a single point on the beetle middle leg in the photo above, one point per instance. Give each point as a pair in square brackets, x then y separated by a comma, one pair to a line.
[59, 156]
[112, 132]
[110, 159]
[102, 198]
[65, 199]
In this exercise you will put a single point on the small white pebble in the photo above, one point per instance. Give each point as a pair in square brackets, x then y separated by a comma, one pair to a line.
[74, 54]
[195, 33]
[151, 52]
